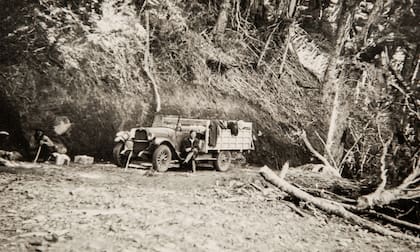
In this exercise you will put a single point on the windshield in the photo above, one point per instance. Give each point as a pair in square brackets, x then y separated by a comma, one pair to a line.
[183, 123]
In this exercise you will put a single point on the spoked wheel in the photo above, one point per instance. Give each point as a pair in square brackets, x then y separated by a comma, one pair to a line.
[119, 159]
[223, 161]
[162, 157]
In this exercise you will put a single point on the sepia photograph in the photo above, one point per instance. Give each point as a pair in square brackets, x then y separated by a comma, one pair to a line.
[209, 125]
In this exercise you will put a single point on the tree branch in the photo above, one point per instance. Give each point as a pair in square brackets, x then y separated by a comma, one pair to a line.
[327, 165]
[267, 43]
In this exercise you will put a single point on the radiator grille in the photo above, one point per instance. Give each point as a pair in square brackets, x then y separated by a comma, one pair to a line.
[140, 141]
[140, 135]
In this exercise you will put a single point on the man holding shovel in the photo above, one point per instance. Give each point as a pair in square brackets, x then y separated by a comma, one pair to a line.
[44, 145]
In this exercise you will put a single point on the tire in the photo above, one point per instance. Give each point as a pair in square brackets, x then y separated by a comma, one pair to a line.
[119, 159]
[223, 161]
[162, 157]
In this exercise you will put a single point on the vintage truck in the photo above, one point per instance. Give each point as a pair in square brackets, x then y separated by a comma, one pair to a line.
[161, 143]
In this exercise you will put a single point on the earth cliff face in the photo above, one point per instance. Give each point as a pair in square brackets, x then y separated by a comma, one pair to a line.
[85, 61]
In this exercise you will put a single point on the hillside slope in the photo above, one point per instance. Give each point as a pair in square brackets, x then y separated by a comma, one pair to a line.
[84, 60]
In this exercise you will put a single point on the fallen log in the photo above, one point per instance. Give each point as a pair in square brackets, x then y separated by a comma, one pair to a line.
[392, 220]
[15, 167]
[14, 164]
[322, 193]
[355, 209]
[330, 206]
[5, 162]
[395, 221]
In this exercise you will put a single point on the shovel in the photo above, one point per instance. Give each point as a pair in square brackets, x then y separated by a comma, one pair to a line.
[37, 153]
[128, 160]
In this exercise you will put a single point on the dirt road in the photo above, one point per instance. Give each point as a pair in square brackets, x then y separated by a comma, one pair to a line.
[103, 208]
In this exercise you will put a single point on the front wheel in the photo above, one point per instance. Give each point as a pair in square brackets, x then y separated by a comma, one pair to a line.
[119, 159]
[223, 161]
[162, 157]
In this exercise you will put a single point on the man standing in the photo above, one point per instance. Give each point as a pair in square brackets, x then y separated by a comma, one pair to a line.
[189, 149]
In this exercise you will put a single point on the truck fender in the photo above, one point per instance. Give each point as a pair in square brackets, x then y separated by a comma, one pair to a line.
[160, 140]
[124, 137]
[119, 139]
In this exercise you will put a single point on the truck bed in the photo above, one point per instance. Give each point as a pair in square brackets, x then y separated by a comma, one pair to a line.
[241, 142]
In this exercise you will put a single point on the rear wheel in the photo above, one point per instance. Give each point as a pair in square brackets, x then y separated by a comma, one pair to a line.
[162, 157]
[119, 159]
[223, 161]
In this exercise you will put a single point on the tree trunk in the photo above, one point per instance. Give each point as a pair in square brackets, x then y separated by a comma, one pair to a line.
[336, 86]
[223, 17]
[331, 17]
[146, 67]
[334, 145]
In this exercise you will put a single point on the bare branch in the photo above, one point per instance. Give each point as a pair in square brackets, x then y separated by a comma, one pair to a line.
[354, 145]
[383, 166]
[318, 155]
[284, 170]
[413, 177]
[327, 149]
[286, 48]
[267, 43]
[380, 195]
[380, 135]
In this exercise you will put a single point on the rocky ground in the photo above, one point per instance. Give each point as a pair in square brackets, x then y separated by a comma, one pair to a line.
[103, 208]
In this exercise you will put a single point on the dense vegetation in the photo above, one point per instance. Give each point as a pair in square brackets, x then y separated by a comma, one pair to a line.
[85, 59]
[341, 70]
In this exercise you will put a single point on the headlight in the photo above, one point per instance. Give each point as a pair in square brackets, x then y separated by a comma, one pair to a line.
[149, 135]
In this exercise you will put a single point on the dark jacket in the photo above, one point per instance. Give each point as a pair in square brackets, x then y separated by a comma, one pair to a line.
[186, 144]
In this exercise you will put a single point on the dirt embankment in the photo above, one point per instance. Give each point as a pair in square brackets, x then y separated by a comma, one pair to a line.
[102, 208]
[85, 61]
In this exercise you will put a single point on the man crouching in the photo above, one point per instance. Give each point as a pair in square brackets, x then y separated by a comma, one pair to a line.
[189, 149]
[45, 146]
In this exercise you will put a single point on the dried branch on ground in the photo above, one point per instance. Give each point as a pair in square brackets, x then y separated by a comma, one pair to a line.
[330, 206]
